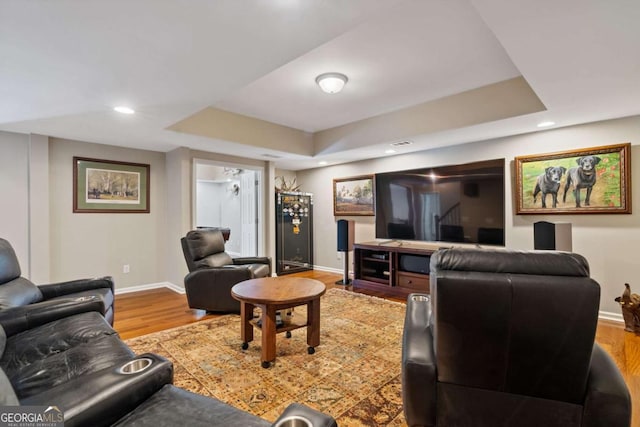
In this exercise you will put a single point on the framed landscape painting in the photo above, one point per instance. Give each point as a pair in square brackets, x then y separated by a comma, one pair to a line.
[353, 196]
[106, 186]
[590, 181]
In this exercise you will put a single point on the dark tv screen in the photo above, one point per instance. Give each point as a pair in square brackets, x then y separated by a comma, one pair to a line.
[456, 204]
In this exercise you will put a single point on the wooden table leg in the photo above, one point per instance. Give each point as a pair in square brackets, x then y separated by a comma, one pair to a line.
[246, 328]
[313, 324]
[268, 335]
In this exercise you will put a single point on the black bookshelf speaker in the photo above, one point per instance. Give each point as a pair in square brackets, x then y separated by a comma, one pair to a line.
[552, 236]
[346, 235]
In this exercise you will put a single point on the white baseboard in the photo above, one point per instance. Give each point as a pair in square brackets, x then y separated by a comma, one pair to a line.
[175, 288]
[615, 317]
[169, 285]
[331, 270]
[606, 315]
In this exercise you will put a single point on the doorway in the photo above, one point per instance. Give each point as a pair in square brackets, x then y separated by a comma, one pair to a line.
[227, 195]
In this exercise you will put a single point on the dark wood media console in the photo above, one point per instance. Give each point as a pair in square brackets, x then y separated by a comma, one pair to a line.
[395, 268]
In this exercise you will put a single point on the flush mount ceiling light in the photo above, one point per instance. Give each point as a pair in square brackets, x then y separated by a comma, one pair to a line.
[124, 110]
[331, 82]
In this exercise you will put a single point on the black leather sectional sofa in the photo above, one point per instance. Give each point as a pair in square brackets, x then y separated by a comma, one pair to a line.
[63, 353]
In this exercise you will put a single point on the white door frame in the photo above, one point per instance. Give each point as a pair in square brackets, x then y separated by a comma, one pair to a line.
[249, 215]
[260, 176]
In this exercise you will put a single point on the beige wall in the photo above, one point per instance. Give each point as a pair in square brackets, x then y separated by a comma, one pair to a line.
[96, 244]
[14, 188]
[56, 244]
[223, 125]
[178, 208]
[509, 98]
[39, 212]
[100, 244]
[609, 242]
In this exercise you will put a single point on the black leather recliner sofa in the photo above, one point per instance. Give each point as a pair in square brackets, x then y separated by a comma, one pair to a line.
[57, 348]
[79, 365]
[213, 272]
[506, 338]
[40, 358]
[19, 296]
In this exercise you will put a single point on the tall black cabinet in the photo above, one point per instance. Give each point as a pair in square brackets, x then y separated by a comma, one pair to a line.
[294, 232]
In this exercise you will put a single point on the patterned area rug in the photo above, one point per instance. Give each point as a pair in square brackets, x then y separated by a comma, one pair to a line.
[354, 374]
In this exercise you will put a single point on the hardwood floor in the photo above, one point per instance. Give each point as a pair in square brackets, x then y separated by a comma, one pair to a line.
[142, 313]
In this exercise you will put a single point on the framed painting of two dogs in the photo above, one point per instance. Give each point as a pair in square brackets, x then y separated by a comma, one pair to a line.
[591, 180]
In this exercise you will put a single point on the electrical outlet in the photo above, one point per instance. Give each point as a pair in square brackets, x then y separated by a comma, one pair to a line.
[125, 268]
[339, 256]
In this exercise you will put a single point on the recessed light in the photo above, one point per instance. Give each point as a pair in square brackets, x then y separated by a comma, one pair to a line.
[124, 110]
[389, 151]
[546, 124]
[322, 163]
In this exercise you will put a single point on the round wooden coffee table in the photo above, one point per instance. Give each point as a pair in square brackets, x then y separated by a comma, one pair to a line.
[271, 294]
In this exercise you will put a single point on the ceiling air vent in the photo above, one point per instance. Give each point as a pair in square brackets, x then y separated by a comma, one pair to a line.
[271, 156]
[401, 143]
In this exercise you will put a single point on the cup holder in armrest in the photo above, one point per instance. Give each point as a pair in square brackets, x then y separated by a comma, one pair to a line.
[135, 366]
[420, 298]
[294, 421]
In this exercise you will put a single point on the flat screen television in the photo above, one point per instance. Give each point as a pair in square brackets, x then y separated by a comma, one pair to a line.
[456, 204]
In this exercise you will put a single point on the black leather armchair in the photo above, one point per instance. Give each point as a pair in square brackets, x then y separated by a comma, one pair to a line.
[19, 296]
[213, 272]
[507, 339]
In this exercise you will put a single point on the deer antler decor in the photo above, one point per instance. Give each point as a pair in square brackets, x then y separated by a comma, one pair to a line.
[286, 186]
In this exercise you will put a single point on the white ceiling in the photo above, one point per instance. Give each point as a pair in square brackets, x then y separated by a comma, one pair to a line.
[64, 64]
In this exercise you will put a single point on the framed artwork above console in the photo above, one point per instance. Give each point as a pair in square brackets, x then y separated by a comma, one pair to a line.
[586, 181]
